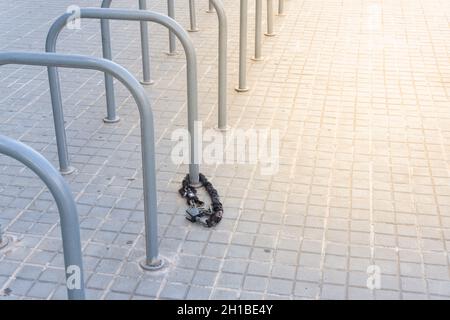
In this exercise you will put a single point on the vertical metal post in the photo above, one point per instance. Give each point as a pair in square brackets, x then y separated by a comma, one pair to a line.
[70, 227]
[281, 8]
[193, 16]
[111, 116]
[258, 31]
[242, 87]
[58, 120]
[223, 49]
[210, 7]
[270, 32]
[147, 80]
[172, 40]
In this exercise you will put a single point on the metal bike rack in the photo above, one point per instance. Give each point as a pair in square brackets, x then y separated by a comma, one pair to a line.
[52, 61]
[223, 49]
[149, 16]
[70, 227]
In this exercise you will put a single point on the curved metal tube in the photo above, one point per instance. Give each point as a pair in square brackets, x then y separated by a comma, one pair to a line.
[138, 15]
[53, 60]
[70, 227]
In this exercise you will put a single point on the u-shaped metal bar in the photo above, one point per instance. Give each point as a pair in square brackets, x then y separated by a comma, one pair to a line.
[138, 15]
[52, 61]
[223, 50]
[70, 227]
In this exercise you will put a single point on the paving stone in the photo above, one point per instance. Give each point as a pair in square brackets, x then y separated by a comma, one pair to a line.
[220, 294]
[333, 292]
[204, 278]
[230, 280]
[148, 288]
[20, 287]
[277, 286]
[306, 289]
[174, 291]
[198, 293]
[41, 290]
[124, 285]
[255, 283]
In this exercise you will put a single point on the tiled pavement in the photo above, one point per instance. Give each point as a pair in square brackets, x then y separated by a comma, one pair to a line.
[359, 90]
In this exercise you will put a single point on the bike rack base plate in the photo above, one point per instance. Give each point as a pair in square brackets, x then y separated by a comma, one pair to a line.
[156, 266]
[68, 171]
[147, 83]
[242, 89]
[106, 120]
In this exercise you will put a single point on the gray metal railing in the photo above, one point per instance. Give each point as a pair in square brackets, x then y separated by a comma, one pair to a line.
[70, 227]
[53, 60]
[138, 15]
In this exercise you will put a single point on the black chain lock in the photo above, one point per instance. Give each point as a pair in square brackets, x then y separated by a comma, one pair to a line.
[197, 213]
